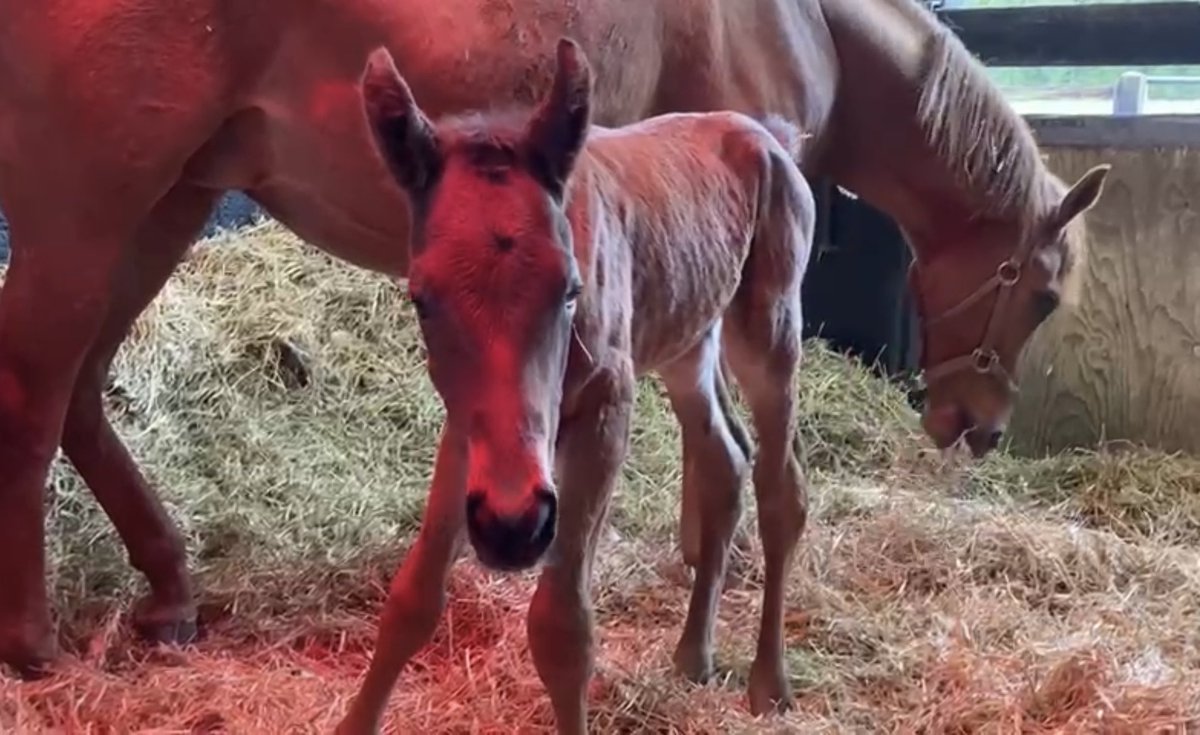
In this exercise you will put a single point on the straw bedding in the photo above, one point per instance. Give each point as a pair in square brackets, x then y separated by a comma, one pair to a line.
[278, 399]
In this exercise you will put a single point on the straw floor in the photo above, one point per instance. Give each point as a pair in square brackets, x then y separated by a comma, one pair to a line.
[279, 400]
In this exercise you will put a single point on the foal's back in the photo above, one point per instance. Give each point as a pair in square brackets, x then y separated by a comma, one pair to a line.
[686, 198]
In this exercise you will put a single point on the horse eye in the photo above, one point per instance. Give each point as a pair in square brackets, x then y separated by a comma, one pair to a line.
[419, 305]
[1045, 302]
[573, 291]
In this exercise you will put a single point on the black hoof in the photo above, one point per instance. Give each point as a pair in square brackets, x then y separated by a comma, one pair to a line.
[31, 662]
[180, 632]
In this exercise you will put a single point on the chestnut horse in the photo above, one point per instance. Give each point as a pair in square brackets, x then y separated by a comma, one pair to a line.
[122, 121]
[553, 264]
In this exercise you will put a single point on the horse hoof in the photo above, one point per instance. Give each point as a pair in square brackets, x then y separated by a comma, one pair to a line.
[176, 632]
[30, 659]
[769, 692]
[693, 664]
[171, 623]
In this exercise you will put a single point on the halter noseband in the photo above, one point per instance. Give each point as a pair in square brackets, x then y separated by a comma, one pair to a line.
[983, 359]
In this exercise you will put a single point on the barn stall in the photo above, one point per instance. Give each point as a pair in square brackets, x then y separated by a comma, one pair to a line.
[279, 400]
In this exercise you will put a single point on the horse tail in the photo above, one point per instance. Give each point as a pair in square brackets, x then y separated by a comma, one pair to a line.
[786, 132]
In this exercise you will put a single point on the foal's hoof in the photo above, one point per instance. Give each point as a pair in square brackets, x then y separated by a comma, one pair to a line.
[693, 664]
[769, 690]
[170, 624]
[176, 633]
[30, 657]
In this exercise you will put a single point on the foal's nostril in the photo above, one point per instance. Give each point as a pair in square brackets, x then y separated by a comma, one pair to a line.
[545, 507]
[479, 515]
[518, 537]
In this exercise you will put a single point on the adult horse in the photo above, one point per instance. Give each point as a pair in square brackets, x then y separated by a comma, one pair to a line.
[121, 121]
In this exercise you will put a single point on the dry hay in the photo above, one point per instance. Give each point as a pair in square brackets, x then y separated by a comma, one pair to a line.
[279, 400]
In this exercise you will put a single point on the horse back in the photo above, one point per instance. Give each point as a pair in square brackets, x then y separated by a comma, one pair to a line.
[672, 210]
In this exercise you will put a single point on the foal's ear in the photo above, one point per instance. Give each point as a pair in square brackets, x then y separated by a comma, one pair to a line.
[403, 135]
[559, 127]
[1080, 197]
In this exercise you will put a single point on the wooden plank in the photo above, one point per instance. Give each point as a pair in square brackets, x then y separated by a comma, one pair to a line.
[1124, 364]
[1125, 132]
[1081, 35]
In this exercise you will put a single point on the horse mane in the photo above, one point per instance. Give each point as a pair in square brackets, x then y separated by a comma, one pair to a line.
[968, 123]
[988, 147]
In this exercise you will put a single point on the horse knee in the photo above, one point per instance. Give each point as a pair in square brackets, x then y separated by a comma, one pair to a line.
[25, 424]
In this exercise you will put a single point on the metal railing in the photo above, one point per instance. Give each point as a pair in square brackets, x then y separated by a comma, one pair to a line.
[1132, 90]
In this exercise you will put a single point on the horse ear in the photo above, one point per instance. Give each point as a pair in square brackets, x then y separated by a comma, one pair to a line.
[559, 127]
[1082, 195]
[403, 135]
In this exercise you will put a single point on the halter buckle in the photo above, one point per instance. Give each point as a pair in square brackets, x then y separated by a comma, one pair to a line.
[984, 362]
[1008, 273]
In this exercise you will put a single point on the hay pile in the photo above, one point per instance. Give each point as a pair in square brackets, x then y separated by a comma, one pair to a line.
[279, 400]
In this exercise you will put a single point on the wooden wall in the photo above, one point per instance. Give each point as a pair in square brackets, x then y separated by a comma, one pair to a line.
[1125, 363]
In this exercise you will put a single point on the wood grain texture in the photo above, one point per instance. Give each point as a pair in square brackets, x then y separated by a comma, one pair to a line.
[1124, 364]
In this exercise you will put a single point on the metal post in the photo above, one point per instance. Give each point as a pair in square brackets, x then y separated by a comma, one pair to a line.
[1130, 93]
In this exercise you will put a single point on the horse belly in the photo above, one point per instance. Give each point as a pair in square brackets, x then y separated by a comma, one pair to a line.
[317, 170]
[680, 291]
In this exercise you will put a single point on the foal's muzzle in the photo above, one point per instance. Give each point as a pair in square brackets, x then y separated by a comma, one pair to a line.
[511, 538]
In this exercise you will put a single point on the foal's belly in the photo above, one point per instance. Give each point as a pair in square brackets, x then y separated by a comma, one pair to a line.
[680, 292]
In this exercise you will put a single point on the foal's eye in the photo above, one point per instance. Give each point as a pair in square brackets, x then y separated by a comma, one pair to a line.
[419, 305]
[573, 292]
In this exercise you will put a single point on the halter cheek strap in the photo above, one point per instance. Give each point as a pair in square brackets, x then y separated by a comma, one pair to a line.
[984, 359]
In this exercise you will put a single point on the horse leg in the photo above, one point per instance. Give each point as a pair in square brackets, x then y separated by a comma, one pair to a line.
[718, 464]
[154, 544]
[52, 305]
[742, 551]
[593, 443]
[418, 592]
[689, 526]
[764, 349]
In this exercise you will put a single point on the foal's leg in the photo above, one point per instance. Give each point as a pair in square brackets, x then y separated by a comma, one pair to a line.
[764, 350]
[418, 593]
[593, 443]
[689, 526]
[742, 551]
[154, 544]
[718, 465]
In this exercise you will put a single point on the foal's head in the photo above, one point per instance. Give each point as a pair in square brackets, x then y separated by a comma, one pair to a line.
[494, 282]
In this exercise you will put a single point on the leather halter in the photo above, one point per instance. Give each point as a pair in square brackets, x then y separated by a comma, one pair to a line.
[983, 359]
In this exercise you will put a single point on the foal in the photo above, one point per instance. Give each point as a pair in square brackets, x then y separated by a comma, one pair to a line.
[547, 274]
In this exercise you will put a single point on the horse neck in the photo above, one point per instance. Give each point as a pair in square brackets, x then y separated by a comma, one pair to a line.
[881, 150]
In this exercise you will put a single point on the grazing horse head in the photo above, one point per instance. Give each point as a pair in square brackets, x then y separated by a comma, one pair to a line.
[494, 281]
[997, 237]
[980, 305]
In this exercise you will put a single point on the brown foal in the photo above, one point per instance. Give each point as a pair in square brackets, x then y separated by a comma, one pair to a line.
[553, 263]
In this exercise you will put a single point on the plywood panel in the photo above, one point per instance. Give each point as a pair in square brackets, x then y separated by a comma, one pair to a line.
[1125, 363]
